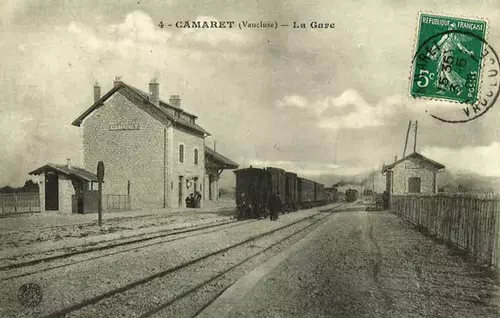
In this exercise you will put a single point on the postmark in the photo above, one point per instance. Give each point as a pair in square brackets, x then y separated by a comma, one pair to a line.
[453, 63]
[30, 295]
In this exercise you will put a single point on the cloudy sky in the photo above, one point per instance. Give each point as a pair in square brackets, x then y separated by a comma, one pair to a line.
[314, 101]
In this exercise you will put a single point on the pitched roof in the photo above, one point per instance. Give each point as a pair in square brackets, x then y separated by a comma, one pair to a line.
[414, 156]
[164, 110]
[71, 172]
[219, 159]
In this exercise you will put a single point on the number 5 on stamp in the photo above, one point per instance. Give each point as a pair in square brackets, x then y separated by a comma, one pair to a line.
[448, 58]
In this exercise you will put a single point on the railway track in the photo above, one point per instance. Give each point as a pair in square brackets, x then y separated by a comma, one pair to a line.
[128, 243]
[112, 301]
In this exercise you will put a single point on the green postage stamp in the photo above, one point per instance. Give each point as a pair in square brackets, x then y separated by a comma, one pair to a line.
[448, 58]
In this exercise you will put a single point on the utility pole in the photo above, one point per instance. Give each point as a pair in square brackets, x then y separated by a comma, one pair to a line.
[415, 142]
[100, 178]
[406, 140]
[215, 146]
[373, 184]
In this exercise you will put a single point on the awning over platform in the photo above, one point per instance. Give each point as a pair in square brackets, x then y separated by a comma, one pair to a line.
[216, 160]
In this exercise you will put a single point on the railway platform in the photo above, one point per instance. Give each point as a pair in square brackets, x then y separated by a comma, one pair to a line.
[44, 233]
[42, 220]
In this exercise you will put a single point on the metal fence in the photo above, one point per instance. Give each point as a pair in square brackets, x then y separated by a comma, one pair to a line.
[116, 202]
[470, 222]
[19, 203]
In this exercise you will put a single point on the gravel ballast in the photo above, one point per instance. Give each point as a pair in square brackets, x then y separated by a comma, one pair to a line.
[76, 283]
[372, 264]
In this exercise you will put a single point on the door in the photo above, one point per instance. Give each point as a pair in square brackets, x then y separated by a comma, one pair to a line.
[414, 185]
[51, 191]
[181, 199]
[210, 185]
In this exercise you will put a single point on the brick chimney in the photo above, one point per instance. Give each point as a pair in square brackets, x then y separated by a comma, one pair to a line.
[68, 163]
[117, 80]
[97, 92]
[175, 101]
[154, 92]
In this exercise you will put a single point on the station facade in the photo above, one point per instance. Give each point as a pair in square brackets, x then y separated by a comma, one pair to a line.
[153, 151]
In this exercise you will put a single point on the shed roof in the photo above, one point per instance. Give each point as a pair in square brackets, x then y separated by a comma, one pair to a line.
[77, 172]
[219, 159]
[165, 110]
[415, 156]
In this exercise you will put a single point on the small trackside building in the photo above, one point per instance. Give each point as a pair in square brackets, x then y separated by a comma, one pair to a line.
[412, 174]
[66, 188]
[152, 150]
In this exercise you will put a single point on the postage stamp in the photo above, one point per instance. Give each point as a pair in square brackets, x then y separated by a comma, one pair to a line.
[447, 64]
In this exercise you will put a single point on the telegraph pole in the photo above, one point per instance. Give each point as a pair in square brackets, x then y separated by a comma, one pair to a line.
[406, 140]
[373, 182]
[415, 141]
[100, 178]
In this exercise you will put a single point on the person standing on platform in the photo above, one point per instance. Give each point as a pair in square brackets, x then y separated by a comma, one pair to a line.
[275, 206]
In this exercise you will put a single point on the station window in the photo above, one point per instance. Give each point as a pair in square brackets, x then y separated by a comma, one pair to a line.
[181, 153]
[196, 156]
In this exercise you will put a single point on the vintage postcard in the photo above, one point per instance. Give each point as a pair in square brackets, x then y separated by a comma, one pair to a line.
[249, 158]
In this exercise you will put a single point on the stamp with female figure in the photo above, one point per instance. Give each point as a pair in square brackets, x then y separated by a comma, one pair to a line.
[450, 61]
[447, 63]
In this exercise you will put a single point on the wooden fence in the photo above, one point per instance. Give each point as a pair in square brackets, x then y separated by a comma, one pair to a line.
[116, 202]
[28, 202]
[470, 222]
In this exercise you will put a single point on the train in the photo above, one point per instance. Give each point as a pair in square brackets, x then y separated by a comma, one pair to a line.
[254, 187]
[351, 195]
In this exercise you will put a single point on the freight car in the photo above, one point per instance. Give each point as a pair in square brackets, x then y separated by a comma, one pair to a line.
[252, 192]
[306, 193]
[291, 192]
[278, 184]
[351, 195]
[319, 194]
[332, 194]
[254, 187]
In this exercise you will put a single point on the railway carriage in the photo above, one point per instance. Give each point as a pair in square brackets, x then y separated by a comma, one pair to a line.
[306, 190]
[252, 192]
[319, 194]
[291, 191]
[254, 187]
[278, 184]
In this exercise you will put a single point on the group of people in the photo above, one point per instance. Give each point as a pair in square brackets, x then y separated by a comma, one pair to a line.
[245, 209]
[193, 200]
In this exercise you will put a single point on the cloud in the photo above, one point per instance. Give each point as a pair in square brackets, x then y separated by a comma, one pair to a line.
[137, 33]
[292, 101]
[139, 27]
[50, 75]
[348, 110]
[482, 160]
